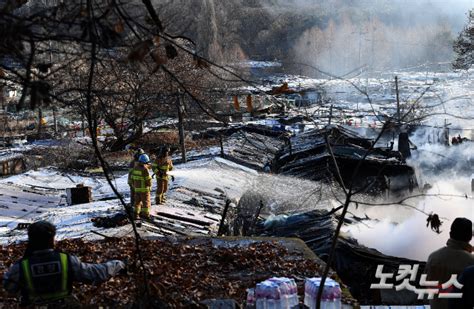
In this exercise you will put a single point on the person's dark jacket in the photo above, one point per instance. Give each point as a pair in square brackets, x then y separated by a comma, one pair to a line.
[467, 300]
[442, 263]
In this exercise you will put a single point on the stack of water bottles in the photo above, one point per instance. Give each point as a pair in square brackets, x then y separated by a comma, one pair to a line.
[331, 296]
[276, 293]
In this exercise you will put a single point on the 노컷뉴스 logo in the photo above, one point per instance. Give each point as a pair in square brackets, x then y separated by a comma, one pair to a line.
[407, 274]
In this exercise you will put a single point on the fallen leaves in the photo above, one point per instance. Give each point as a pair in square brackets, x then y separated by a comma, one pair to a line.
[180, 274]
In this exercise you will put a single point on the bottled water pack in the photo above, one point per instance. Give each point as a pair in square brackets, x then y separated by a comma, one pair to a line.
[275, 293]
[331, 296]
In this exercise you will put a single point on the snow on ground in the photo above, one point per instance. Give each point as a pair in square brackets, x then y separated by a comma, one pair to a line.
[446, 94]
[208, 174]
[46, 199]
[19, 205]
[49, 179]
[256, 64]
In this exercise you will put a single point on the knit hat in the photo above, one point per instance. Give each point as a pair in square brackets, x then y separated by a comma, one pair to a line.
[461, 229]
[41, 229]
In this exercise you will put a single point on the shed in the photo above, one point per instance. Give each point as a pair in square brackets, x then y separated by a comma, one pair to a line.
[11, 163]
[308, 97]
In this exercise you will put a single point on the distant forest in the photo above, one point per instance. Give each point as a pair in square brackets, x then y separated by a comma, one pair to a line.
[334, 35]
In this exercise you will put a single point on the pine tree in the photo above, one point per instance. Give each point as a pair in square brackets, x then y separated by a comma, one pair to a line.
[464, 45]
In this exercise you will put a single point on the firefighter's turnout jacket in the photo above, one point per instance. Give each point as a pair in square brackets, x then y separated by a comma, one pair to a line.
[161, 167]
[139, 178]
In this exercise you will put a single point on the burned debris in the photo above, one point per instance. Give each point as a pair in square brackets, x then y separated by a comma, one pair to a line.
[254, 148]
[352, 261]
[379, 169]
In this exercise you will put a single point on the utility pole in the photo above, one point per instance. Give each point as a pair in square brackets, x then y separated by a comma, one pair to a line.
[55, 122]
[222, 145]
[181, 127]
[330, 115]
[446, 132]
[40, 124]
[83, 126]
[398, 100]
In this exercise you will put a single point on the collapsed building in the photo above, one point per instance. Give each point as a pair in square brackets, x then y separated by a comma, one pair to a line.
[361, 165]
[368, 168]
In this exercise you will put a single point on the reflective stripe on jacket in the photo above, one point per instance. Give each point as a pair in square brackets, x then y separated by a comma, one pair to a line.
[45, 278]
[161, 167]
[140, 179]
[77, 271]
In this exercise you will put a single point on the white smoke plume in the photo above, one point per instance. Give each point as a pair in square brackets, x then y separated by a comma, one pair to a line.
[401, 230]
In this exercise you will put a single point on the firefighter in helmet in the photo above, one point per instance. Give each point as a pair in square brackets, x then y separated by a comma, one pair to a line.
[136, 155]
[140, 180]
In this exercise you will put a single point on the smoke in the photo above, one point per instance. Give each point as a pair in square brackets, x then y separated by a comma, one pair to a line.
[401, 230]
[376, 35]
[283, 195]
[397, 230]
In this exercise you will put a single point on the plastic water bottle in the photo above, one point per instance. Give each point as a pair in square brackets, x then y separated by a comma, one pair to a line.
[337, 296]
[329, 291]
[292, 293]
[288, 291]
[333, 294]
[309, 292]
[250, 297]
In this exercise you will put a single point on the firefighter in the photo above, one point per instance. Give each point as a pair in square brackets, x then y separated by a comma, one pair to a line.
[140, 180]
[131, 165]
[161, 167]
[45, 276]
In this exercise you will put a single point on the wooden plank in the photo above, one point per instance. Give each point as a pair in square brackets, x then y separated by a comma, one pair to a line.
[180, 218]
[211, 218]
[170, 229]
[159, 229]
[183, 223]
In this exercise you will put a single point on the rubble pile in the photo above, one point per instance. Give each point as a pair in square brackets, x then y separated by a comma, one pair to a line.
[180, 273]
[250, 145]
[119, 219]
[252, 149]
[378, 168]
